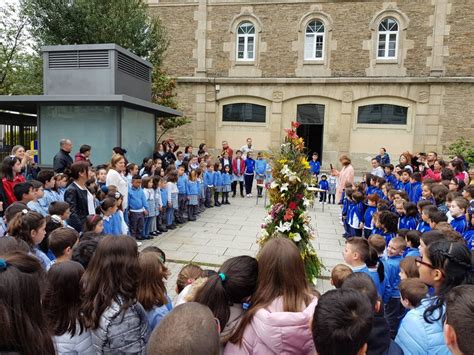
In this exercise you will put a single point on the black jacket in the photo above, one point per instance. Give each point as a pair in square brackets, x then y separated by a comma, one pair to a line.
[77, 200]
[62, 161]
[379, 342]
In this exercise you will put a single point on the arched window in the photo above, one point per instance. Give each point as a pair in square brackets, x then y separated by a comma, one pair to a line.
[246, 41]
[314, 41]
[387, 47]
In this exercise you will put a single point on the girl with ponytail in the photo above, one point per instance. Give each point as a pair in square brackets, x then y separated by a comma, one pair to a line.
[228, 292]
[443, 266]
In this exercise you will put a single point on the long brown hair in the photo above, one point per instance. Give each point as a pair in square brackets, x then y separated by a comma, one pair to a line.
[23, 223]
[280, 274]
[151, 286]
[110, 276]
[62, 298]
[23, 327]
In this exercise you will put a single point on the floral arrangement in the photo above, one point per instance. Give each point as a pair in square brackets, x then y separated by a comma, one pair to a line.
[289, 199]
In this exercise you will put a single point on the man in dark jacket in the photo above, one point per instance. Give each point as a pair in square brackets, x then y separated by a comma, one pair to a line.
[62, 160]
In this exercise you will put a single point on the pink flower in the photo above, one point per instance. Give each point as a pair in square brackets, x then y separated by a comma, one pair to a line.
[295, 124]
[288, 215]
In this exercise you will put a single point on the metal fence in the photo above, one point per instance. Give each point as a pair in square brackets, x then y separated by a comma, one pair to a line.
[11, 135]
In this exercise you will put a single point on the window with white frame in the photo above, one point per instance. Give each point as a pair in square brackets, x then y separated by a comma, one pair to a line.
[387, 47]
[246, 41]
[314, 41]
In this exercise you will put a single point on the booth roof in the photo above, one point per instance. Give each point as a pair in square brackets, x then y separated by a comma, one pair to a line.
[30, 103]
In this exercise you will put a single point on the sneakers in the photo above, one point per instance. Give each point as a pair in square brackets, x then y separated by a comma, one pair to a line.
[139, 244]
[249, 195]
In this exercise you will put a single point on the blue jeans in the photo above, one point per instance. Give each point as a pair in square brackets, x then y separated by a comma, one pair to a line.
[169, 216]
[146, 227]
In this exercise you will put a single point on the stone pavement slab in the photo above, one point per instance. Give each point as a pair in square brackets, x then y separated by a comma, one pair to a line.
[227, 231]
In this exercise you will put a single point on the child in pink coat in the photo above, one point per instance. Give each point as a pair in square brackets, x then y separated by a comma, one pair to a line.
[278, 320]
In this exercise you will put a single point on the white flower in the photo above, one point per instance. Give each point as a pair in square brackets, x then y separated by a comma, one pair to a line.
[285, 170]
[306, 202]
[284, 187]
[268, 219]
[306, 228]
[264, 233]
[274, 185]
[296, 237]
[284, 227]
[314, 281]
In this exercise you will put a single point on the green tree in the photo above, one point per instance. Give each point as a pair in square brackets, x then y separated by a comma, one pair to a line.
[20, 66]
[463, 147]
[124, 22]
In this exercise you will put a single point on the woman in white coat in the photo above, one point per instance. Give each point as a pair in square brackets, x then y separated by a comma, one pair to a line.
[116, 177]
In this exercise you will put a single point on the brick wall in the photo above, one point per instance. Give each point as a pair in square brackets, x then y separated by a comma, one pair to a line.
[457, 120]
[460, 41]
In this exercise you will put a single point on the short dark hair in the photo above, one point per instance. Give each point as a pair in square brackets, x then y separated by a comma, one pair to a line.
[45, 176]
[23, 188]
[342, 322]
[363, 283]
[413, 290]
[60, 239]
[413, 237]
[84, 148]
[437, 217]
[58, 208]
[13, 209]
[190, 328]
[84, 251]
[459, 303]
[136, 177]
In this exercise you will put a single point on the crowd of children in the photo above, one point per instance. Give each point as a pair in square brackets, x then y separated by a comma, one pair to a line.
[72, 278]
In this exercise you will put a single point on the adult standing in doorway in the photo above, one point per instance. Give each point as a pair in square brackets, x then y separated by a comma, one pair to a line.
[63, 160]
[226, 148]
[81, 201]
[116, 177]
[246, 148]
[345, 175]
[383, 158]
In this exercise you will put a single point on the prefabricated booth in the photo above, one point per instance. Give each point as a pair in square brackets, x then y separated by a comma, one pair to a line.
[93, 94]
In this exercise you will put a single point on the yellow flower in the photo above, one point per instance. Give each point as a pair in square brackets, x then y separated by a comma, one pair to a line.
[282, 161]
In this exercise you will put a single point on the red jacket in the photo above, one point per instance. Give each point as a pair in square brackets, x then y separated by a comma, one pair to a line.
[234, 166]
[8, 186]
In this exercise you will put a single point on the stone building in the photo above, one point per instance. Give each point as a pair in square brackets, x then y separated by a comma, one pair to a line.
[358, 75]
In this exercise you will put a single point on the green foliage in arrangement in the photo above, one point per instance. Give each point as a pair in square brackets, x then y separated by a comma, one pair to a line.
[463, 147]
[289, 197]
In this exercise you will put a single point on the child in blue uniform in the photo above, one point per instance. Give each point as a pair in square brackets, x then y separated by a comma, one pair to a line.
[458, 212]
[323, 185]
[217, 182]
[208, 184]
[355, 214]
[192, 193]
[260, 169]
[372, 200]
[226, 185]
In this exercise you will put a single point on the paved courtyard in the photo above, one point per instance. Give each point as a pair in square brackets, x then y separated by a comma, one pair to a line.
[223, 232]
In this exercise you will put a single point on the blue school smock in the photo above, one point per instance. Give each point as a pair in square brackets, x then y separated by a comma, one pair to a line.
[314, 167]
[407, 223]
[415, 192]
[260, 166]
[217, 179]
[208, 178]
[405, 186]
[355, 214]
[423, 227]
[192, 188]
[393, 263]
[390, 178]
[226, 179]
[469, 238]
[411, 252]
[459, 224]
[113, 224]
[324, 185]
[379, 285]
[249, 166]
[181, 184]
[369, 212]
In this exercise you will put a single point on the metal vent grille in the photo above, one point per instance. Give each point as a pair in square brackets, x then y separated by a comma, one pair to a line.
[133, 67]
[79, 59]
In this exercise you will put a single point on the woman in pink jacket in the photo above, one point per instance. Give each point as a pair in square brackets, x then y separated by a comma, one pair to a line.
[278, 320]
[346, 175]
